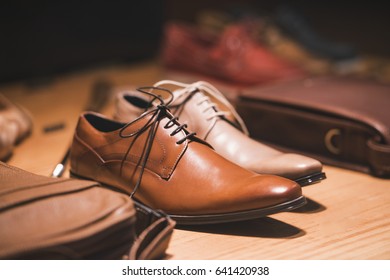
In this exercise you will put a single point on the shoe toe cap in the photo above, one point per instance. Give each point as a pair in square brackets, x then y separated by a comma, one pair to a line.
[292, 166]
[270, 190]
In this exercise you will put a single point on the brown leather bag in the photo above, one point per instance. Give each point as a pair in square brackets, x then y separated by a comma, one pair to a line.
[51, 218]
[341, 121]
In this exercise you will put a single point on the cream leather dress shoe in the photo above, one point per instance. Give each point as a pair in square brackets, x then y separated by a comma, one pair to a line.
[213, 118]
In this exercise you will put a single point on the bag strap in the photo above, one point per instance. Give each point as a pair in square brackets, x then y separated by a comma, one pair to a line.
[153, 230]
[379, 158]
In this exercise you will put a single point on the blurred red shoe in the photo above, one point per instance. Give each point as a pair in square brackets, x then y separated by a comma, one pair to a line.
[233, 56]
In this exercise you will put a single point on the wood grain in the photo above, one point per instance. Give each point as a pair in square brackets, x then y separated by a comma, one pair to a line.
[347, 217]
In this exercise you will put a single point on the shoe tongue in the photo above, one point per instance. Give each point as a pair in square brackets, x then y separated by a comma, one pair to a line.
[179, 97]
[195, 95]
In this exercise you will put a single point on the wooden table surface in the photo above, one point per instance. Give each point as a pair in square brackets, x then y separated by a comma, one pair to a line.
[347, 215]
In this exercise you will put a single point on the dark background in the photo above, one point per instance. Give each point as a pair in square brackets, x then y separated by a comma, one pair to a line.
[43, 38]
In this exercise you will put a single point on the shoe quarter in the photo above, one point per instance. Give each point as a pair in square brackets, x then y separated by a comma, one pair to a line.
[164, 155]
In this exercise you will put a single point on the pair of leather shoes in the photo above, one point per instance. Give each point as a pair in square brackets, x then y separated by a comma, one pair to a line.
[15, 125]
[289, 36]
[233, 56]
[161, 164]
[207, 112]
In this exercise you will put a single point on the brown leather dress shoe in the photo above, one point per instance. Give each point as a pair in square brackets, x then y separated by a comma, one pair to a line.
[224, 130]
[160, 164]
[15, 125]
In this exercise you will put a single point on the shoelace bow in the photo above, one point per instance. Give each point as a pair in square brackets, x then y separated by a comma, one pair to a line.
[157, 113]
[208, 89]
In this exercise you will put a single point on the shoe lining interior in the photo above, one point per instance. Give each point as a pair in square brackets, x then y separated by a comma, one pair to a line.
[102, 124]
[137, 101]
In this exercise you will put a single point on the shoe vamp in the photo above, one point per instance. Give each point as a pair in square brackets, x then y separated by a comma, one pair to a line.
[203, 183]
[238, 147]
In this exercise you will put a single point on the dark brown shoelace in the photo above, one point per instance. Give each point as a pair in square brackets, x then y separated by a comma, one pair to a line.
[157, 113]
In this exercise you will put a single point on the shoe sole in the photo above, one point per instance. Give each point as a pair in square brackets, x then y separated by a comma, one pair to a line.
[239, 216]
[311, 179]
[222, 217]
